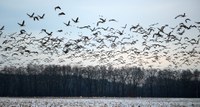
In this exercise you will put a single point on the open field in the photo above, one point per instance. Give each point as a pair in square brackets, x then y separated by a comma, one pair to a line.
[99, 102]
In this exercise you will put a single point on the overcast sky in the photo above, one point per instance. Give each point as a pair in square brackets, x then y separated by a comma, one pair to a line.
[130, 12]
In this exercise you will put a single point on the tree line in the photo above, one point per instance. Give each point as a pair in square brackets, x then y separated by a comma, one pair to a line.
[97, 81]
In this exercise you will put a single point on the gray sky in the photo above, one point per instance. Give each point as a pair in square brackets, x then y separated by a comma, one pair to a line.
[130, 12]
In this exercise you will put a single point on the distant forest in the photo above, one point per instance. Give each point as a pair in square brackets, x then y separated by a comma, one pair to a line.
[97, 81]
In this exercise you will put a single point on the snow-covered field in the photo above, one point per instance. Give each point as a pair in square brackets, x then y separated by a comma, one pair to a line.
[99, 102]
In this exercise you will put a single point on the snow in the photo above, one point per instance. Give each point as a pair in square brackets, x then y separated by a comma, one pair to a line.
[99, 102]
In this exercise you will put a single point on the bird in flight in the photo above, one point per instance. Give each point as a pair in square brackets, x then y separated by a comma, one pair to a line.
[186, 20]
[43, 30]
[2, 28]
[112, 20]
[101, 21]
[41, 17]
[134, 27]
[57, 7]
[31, 16]
[162, 28]
[61, 13]
[154, 24]
[67, 24]
[66, 51]
[50, 34]
[120, 32]
[22, 31]
[60, 30]
[181, 15]
[88, 26]
[92, 30]
[124, 27]
[76, 20]
[197, 22]
[22, 24]
[35, 18]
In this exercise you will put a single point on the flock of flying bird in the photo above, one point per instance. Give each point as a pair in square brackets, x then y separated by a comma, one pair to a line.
[126, 45]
